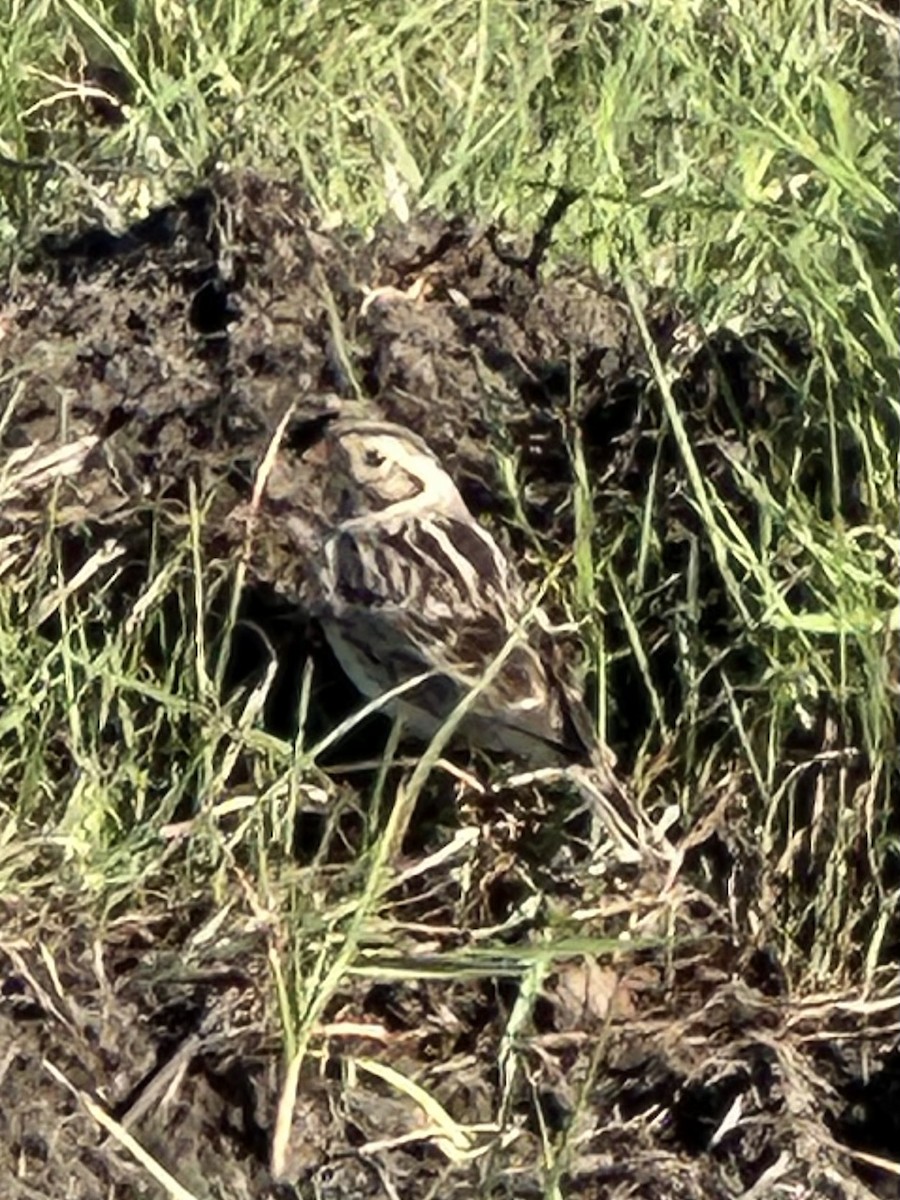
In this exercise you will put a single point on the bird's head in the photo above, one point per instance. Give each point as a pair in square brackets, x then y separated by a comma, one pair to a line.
[383, 471]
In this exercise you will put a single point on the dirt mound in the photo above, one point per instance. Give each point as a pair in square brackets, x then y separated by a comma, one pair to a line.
[166, 362]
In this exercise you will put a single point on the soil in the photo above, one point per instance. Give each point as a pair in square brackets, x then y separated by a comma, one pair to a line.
[182, 349]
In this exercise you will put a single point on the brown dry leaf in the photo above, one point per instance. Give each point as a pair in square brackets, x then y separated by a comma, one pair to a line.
[587, 992]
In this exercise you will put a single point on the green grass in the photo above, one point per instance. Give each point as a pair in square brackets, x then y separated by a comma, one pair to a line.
[741, 160]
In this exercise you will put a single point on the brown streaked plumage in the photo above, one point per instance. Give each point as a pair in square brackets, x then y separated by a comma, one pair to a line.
[409, 582]
[412, 583]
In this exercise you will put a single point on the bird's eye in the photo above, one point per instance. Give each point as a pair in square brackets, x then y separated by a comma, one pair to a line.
[374, 458]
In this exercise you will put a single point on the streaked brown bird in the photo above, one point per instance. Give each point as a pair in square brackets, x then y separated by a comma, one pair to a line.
[410, 585]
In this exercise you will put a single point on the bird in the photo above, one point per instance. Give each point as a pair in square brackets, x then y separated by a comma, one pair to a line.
[419, 603]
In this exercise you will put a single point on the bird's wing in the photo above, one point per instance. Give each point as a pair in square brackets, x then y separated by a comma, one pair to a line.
[436, 596]
[405, 601]
[442, 584]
